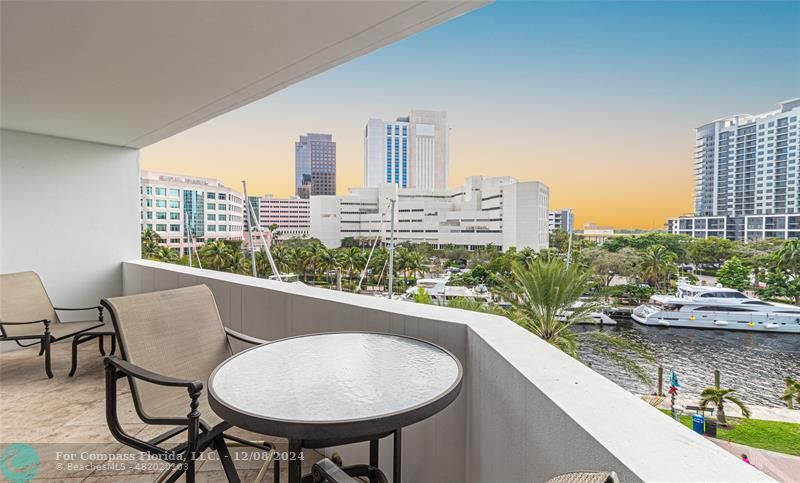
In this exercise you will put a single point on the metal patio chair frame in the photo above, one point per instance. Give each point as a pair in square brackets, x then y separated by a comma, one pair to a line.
[200, 434]
[29, 301]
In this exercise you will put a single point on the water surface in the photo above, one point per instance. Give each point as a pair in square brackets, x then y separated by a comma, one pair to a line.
[752, 363]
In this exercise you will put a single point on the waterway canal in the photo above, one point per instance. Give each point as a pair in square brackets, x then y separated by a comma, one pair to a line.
[752, 363]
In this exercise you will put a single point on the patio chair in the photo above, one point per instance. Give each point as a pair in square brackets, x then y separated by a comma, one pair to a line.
[170, 342]
[586, 477]
[330, 471]
[27, 314]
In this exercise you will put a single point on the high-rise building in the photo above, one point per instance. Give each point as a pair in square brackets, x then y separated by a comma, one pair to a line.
[500, 211]
[563, 220]
[412, 152]
[315, 165]
[171, 204]
[747, 177]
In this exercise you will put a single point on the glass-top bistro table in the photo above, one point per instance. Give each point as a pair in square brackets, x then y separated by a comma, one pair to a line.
[329, 389]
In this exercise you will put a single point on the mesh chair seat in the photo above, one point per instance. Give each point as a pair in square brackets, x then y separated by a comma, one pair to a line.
[66, 329]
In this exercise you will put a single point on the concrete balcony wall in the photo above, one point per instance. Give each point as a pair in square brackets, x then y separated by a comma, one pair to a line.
[70, 211]
[526, 412]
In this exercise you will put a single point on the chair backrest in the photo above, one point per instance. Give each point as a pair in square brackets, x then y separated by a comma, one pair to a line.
[24, 299]
[176, 333]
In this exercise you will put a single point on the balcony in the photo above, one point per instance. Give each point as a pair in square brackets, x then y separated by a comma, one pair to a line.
[77, 111]
[527, 411]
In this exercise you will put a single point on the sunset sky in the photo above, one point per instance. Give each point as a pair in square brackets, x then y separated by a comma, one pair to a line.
[598, 100]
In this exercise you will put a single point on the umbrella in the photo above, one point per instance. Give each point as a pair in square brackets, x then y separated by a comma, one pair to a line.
[673, 378]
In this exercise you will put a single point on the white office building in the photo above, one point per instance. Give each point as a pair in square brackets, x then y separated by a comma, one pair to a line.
[563, 220]
[746, 177]
[500, 211]
[412, 152]
[171, 204]
[289, 216]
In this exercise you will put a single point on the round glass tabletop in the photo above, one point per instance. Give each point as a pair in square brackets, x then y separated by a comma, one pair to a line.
[335, 378]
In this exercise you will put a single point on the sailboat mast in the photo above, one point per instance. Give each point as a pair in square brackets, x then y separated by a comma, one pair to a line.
[250, 231]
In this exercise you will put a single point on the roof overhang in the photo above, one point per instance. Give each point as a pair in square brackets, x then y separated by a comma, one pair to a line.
[131, 73]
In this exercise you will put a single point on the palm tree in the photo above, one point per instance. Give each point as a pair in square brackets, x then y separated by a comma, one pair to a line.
[414, 263]
[328, 261]
[283, 256]
[792, 392]
[718, 397]
[263, 268]
[166, 254]
[656, 265]
[315, 257]
[401, 261]
[151, 236]
[150, 244]
[352, 259]
[788, 257]
[526, 255]
[215, 254]
[238, 262]
[544, 296]
[378, 264]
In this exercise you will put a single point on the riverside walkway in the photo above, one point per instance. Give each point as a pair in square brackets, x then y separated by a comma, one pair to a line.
[783, 467]
[756, 412]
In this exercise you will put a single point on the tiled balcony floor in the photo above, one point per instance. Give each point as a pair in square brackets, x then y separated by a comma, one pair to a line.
[67, 414]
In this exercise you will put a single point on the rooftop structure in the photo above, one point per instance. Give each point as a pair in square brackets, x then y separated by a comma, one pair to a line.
[596, 233]
[289, 216]
[176, 206]
[746, 177]
[500, 211]
[563, 220]
[412, 152]
[315, 165]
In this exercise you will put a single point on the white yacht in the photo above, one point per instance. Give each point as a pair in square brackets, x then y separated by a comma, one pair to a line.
[699, 307]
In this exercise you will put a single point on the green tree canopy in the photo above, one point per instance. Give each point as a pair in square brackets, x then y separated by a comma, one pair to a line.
[657, 266]
[607, 265]
[788, 257]
[559, 240]
[782, 285]
[675, 244]
[734, 274]
[711, 251]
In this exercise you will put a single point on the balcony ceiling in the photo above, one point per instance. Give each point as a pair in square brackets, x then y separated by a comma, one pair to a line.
[133, 73]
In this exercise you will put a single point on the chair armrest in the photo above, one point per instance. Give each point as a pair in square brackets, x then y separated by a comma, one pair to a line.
[46, 323]
[99, 309]
[244, 338]
[43, 321]
[133, 370]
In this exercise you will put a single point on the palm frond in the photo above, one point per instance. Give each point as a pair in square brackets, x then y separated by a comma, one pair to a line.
[735, 400]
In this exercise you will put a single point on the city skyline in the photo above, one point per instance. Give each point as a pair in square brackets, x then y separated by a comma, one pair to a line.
[599, 101]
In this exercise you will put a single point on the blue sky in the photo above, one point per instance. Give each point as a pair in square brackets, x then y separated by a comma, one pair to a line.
[597, 99]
